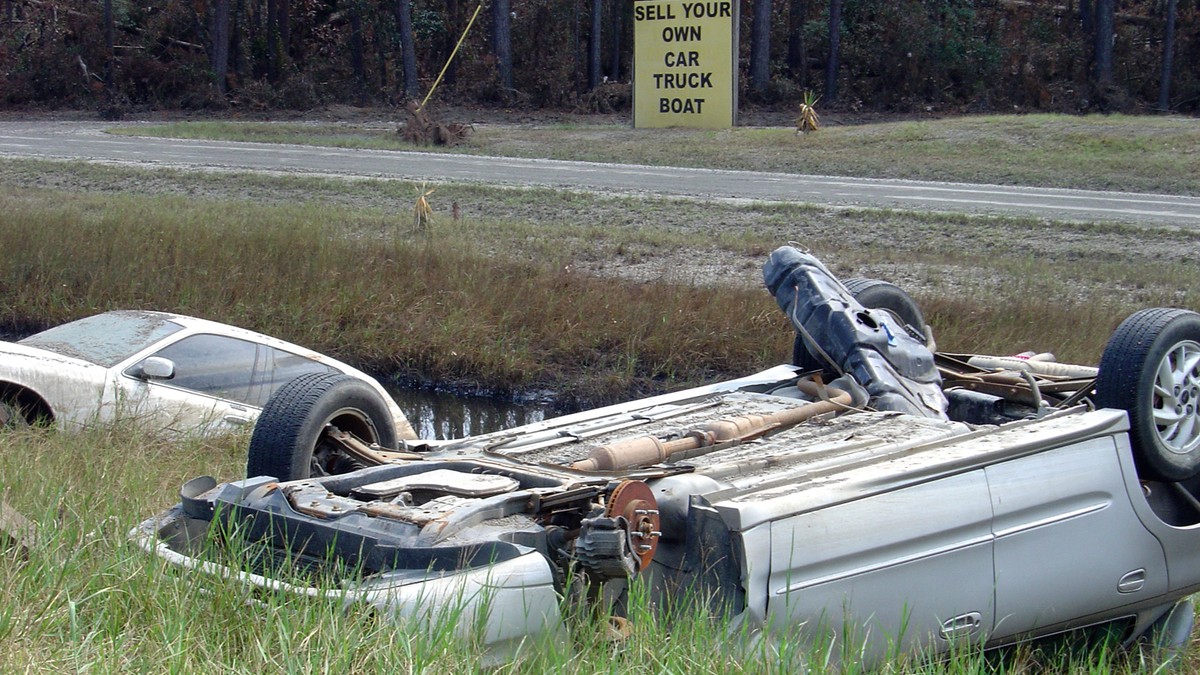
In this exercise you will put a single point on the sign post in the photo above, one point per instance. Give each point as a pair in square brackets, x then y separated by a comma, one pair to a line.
[685, 63]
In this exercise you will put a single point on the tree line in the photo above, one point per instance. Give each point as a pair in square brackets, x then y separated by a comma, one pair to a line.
[871, 55]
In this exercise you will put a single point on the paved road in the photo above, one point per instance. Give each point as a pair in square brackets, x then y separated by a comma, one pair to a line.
[82, 140]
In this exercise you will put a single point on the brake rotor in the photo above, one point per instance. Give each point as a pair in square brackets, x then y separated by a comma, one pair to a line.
[634, 501]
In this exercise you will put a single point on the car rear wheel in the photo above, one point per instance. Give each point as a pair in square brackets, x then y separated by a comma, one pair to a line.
[872, 294]
[1151, 369]
[290, 439]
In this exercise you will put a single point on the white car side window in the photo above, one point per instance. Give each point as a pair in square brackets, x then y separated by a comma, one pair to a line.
[280, 368]
[215, 365]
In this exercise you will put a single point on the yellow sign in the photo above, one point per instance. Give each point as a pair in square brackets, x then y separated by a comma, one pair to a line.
[685, 63]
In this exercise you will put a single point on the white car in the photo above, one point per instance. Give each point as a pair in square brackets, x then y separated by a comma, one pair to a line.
[170, 372]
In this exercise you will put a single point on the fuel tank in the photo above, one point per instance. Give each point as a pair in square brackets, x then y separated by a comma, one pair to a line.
[871, 345]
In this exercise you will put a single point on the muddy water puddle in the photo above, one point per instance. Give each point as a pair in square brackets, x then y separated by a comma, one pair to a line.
[439, 415]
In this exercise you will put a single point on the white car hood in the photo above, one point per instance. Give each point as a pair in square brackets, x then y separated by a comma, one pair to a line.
[16, 353]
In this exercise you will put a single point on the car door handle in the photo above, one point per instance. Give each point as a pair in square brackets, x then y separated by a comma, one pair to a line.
[1132, 582]
[959, 626]
[237, 419]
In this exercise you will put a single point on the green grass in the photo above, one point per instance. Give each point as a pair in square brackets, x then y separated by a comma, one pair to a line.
[338, 136]
[86, 599]
[1104, 152]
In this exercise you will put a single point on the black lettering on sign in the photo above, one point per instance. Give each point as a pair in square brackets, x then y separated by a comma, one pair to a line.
[653, 13]
[680, 105]
[682, 59]
[683, 81]
[708, 10]
[681, 34]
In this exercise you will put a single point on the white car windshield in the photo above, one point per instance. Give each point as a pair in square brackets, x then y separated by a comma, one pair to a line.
[105, 339]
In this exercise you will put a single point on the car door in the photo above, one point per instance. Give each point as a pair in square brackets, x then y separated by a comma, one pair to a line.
[1068, 542]
[888, 573]
[210, 389]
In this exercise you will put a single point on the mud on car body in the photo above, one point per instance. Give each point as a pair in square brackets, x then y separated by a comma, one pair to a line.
[873, 488]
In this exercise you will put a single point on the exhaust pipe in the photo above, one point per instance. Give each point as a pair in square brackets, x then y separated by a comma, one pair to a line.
[646, 450]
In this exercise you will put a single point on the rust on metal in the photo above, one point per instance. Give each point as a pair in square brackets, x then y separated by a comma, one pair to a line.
[634, 501]
[647, 450]
[372, 456]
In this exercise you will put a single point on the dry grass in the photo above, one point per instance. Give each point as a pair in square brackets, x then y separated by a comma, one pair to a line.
[569, 292]
[436, 307]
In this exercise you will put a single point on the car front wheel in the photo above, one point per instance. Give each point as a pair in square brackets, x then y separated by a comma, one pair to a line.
[11, 416]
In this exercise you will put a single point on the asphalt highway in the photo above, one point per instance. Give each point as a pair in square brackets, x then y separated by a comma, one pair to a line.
[87, 141]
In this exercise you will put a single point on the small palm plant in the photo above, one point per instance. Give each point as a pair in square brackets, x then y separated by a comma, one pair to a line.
[808, 119]
[422, 212]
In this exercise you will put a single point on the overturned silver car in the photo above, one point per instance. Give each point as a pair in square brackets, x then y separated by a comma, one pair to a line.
[873, 488]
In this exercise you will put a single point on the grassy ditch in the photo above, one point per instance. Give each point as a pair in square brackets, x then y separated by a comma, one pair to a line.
[85, 599]
[437, 308]
[1103, 152]
[597, 297]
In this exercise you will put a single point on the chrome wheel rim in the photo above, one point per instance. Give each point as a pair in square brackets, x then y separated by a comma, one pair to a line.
[1176, 398]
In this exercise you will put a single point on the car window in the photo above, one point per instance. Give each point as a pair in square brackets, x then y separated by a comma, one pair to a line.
[213, 364]
[105, 339]
[278, 369]
[235, 369]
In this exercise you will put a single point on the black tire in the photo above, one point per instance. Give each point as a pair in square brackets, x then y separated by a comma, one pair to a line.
[289, 442]
[876, 294]
[872, 294]
[21, 408]
[1150, 368]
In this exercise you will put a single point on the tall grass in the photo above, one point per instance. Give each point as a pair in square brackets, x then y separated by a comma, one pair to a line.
[464, 302]
[86, 599]
[510, 305]
[437, 308]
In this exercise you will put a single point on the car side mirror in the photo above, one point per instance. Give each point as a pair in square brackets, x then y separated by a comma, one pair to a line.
[155, 368]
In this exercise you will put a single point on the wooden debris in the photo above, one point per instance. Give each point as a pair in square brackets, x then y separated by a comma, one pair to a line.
[16, 530]
[421, 129]
[422, 212]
